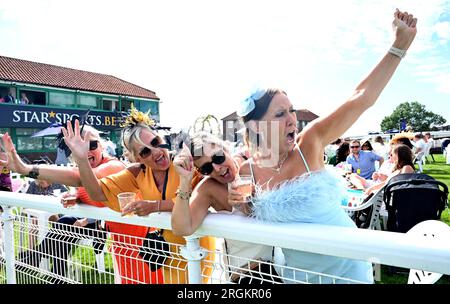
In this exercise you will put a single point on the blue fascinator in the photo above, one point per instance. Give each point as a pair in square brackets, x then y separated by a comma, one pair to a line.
[247, 105]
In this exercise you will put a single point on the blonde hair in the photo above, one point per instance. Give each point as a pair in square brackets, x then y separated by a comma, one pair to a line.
[200, 139]
[131, 135]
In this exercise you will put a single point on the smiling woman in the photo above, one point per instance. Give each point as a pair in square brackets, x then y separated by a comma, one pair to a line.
[153, 176]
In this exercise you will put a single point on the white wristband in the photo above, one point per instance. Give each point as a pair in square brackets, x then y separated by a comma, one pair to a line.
[397, 52]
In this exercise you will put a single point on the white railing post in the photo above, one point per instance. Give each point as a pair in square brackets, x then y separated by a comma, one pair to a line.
[194, 254]
[8, 220]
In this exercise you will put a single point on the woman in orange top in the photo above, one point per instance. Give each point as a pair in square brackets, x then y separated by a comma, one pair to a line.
[102, 165]
[153, 174]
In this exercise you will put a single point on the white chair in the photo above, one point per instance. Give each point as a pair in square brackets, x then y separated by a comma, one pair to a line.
[428, 229]
[376, 201]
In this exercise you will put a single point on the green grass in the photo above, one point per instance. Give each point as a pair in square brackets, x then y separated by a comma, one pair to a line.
[441, 172]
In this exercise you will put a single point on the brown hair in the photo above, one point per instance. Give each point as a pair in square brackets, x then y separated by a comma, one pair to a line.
[404, 156]
[261, 106]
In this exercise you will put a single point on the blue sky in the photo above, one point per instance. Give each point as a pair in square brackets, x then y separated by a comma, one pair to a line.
[202, 57]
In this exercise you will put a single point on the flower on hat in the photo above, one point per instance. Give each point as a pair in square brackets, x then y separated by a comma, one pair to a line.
[247, 105]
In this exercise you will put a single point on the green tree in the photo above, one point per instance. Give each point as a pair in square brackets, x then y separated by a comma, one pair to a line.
[415, 115]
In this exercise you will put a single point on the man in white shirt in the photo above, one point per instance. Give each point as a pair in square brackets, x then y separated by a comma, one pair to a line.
[419, 146]
[429, 140]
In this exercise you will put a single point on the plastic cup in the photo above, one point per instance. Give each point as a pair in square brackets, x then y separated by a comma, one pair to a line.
[244, 185]
[124, 199]
[69, 201]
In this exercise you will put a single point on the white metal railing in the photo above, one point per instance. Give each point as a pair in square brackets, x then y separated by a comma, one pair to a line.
[369, 245]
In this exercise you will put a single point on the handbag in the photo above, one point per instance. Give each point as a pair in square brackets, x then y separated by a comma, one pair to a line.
[155, 250]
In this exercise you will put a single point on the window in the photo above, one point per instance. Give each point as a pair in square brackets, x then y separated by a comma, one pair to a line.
[86, 101]
[109, 104]
[61, 99]
[126, 105]
[50, 143]
[34, 97]
[26, 143]
[4, 91]
[152, 106]
[26, 131]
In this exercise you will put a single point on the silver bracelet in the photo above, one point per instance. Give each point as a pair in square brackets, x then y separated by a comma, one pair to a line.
[183, 195]
[397, 52]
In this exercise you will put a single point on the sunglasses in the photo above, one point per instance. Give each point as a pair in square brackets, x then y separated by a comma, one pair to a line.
[146, 151]
[93, 145]
[354, 147]
[207, 168]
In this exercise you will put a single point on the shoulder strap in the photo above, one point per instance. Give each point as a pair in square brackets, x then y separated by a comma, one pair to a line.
[251, 170]
[166, 179]
[165, 185]
[304, 160]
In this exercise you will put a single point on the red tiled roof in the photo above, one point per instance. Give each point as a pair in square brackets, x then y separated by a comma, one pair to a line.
[305, 115]
[233, 116]
[12, 69]
[302, 114]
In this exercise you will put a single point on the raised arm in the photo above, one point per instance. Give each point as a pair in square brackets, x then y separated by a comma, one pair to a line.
[62, 175]
[182, 223]
[334, 125]
[80, 148]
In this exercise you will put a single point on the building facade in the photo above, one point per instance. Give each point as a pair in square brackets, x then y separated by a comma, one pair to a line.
[35, 95]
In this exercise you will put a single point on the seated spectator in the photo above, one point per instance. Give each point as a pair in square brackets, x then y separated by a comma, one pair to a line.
[367, 146]
[363, 162]
[331, 149]
[42, 186]
[402, 158]
[378, 176]
[380, 148]
[403, 138]
[341, 154]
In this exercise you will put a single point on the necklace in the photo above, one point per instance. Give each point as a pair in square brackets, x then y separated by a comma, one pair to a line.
[280, 163]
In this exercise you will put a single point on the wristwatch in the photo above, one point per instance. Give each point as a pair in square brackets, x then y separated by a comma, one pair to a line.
[34, 173]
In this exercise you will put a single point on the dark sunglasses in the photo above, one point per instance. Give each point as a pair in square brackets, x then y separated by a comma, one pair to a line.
[146, 151]
[207, 168]
[93, 145]
[354, 147]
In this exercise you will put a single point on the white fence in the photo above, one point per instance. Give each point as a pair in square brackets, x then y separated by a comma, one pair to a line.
[119, 260]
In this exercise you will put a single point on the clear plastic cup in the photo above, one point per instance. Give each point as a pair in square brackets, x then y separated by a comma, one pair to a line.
[69, 198]
[244, 185]
[124, 199]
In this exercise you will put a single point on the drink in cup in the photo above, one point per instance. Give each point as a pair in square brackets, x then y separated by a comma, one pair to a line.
[124, 199]
[244, 185]
[348, 168]
[69, 200]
